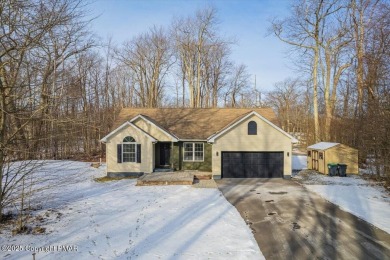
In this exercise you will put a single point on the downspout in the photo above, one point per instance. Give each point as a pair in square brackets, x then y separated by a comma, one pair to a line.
[324, 156]
[105, 143]
[154, 157]
[171, 156]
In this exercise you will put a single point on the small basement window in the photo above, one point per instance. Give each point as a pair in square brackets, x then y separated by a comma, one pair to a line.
[252, 128]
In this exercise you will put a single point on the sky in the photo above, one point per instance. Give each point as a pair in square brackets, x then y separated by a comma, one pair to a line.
[247, 21]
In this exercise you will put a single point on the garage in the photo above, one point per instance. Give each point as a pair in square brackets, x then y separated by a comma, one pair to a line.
[252, 164]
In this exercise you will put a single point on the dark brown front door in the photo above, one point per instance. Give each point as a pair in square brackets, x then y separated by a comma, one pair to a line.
[165, 154]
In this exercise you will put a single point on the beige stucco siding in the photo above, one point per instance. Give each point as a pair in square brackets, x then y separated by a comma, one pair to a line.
[343, 154]
[337, 154]
[268, 139]
[152, 130]
[147, 151]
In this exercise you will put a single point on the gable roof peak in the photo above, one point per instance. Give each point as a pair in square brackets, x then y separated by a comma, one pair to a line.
[192, 123]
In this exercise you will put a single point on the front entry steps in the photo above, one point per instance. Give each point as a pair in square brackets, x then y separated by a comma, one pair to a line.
[198, 179]
[202, 176]
[163, 169]
[204, 180]
[166, 178]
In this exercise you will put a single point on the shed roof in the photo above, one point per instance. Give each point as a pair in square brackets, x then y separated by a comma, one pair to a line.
[322, 145]
[193, 123]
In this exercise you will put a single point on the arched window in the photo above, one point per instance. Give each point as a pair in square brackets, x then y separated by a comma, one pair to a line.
[129, 149]
[252, 128]
[128, 139]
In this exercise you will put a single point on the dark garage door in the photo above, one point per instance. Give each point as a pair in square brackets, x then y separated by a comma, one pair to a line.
[252, 164]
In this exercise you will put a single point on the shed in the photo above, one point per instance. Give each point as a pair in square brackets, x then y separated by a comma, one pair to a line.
[320, 154]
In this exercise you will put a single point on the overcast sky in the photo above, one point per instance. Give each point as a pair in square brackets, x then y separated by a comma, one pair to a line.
[246, 20]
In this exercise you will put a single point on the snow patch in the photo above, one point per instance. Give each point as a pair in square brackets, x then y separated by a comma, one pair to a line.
[120, 220]
[363, 198]
[369, 203]
[299, 162]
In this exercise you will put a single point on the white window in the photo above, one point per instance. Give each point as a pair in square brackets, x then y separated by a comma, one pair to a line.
[129, 149]
[193, 152]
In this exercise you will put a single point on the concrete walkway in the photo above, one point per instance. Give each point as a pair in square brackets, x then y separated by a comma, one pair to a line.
[194, 178]
[166, 178]
[290, 222]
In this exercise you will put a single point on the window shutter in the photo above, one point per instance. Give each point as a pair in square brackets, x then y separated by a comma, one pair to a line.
[119, 153]
[138, 153]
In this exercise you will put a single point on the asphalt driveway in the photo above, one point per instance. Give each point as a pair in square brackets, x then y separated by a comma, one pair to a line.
[290, 222]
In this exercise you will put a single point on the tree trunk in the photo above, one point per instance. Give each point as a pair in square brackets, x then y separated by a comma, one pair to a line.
[315, 96]
[328, 107]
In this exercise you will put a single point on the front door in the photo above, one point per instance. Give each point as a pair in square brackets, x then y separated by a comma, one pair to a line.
[165, 154]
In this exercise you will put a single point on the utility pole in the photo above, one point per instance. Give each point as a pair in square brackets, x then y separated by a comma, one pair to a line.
[257, 95]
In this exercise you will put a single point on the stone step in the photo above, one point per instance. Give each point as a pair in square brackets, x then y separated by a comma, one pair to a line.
[166, 178]
[163, 183]
[203, 176]
[163, 170]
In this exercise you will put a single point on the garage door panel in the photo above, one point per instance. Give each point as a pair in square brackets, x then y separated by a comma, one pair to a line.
[252, 164]
[247, 160]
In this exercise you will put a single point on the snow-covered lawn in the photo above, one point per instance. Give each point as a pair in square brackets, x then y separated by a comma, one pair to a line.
[120, 220]
[363, 198]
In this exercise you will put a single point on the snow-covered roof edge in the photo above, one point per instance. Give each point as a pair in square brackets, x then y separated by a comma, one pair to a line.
[322, 145]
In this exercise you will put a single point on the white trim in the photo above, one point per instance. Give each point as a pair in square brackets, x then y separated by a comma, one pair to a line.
[135, 152]
[127, 123]
[193, 152]
[212, 138]
[174, 138]
[193, 140]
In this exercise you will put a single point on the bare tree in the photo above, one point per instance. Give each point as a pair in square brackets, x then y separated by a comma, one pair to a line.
[290, 99]
[149, 57]
[217, 66]
[285, 99]
[36, 38]
[304, 30]
[336, 59]
[202, 57]
[238, 84]
[361, 13]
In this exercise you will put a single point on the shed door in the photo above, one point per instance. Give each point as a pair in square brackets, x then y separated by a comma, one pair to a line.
[314, 156]
[252, 164]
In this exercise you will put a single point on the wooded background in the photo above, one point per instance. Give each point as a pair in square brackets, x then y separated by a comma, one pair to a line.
[62, 87]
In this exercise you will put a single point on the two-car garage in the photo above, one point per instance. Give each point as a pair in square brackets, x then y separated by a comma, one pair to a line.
[252, 147]
[252, 164]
